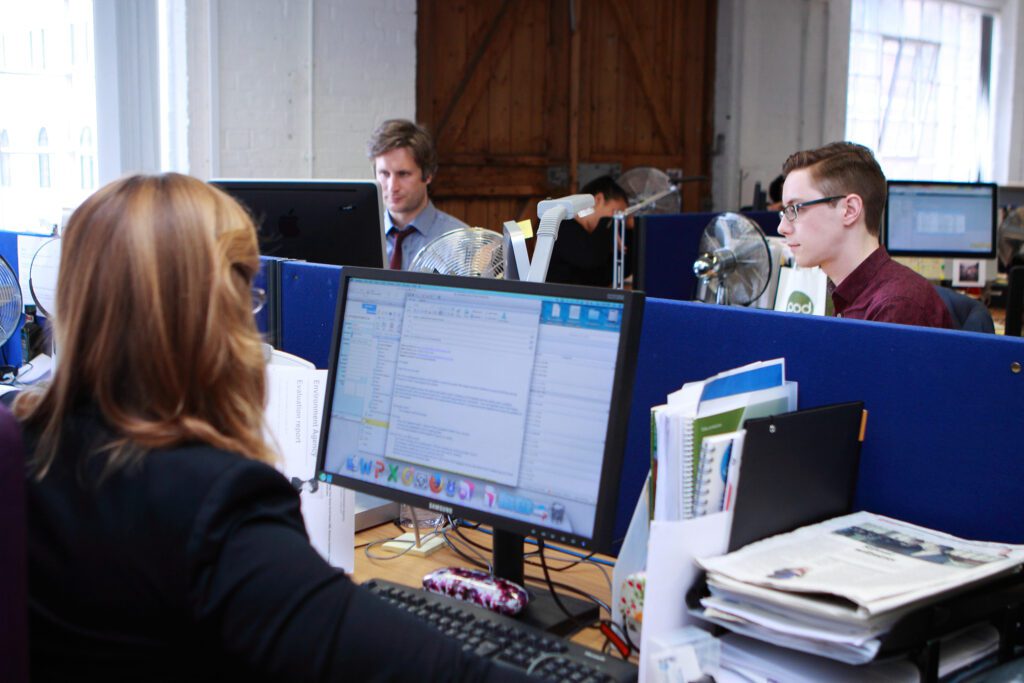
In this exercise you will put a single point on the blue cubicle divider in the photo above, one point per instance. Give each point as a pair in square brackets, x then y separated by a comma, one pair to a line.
[309, 299]
[667, 247]
[944, 435]
[945, 432]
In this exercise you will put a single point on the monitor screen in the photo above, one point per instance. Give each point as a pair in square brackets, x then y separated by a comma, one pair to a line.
[496, 401]
[339, 222]
[940, 219]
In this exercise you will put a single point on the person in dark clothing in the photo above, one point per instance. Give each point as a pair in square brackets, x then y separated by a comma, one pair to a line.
[583, 251]
[163, 546]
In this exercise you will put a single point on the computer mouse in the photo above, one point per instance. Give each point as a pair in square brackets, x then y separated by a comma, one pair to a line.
[478, 587]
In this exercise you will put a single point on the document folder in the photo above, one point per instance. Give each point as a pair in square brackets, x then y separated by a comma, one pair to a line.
[797, 469]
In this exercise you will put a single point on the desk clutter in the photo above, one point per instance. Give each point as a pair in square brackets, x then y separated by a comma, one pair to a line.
[749, 535]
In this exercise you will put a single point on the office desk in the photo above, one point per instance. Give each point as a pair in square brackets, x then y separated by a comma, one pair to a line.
[409, 570]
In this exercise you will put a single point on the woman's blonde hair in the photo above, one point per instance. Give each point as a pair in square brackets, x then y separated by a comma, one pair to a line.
[154, 323]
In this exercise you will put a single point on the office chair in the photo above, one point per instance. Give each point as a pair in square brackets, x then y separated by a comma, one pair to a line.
[1015, 300]
[967, 313]
[13, 554]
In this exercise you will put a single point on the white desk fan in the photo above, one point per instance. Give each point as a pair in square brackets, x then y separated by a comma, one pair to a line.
[735, 262]
[471, 252]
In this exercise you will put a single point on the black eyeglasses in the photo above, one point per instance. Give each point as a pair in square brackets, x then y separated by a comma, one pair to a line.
[793, 210]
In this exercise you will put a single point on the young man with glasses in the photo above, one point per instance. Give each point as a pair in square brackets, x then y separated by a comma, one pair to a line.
[833, 199]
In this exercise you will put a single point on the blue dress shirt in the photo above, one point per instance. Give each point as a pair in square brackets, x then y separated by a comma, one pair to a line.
[429, 223]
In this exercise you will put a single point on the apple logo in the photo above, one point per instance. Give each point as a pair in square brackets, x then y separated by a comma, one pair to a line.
[288, 224]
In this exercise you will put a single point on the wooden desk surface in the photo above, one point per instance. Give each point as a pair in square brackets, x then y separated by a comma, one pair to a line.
[409, 570]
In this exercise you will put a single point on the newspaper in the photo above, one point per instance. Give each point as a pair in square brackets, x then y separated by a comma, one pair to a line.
[860, 566]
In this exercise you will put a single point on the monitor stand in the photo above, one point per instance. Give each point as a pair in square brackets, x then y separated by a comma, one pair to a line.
[542, 611]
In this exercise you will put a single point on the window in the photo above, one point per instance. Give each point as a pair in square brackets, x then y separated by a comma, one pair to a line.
[920, 88]
[47, 162]
[43, 143]
[5, 159]
[86, 160]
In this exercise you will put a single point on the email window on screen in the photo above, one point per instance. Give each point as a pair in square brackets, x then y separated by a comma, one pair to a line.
[455, 407]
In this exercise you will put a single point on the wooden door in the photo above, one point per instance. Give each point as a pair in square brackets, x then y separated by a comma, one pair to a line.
[520, 93]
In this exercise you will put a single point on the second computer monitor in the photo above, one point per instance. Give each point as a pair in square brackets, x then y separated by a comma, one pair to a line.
[338, 222]
[940, 219]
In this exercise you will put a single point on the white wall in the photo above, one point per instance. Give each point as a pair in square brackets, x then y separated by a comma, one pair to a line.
[293, 88]
[780, 86]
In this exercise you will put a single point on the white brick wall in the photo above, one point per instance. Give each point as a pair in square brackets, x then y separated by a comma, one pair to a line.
[297, 86]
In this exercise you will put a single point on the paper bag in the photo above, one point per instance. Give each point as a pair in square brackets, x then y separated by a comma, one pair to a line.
[802, 290]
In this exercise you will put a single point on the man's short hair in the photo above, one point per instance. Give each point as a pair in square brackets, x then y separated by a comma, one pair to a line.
[841, 168]
[396, 133]
[608, 188]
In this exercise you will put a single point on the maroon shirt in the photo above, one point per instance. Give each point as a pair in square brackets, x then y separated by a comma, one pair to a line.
[882, 289]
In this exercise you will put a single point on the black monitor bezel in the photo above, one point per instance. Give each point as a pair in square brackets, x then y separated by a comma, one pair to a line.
[229, 185]
[925, 253]
[619, 410]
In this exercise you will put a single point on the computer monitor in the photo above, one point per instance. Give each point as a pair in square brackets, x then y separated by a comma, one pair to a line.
[940, 219]
[338, 222]
[501, 402]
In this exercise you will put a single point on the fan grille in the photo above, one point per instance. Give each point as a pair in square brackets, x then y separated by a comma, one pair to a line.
[470, 252]
[10, 301]
[741, 240]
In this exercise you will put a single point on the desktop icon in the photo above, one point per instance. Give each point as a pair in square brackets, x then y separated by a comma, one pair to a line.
[449, 488]
[465, 489]
[392, 472]
[421, 480]
[407, 476]
[557, 513]
[350, 463]
[436, 483]
[365, 467]
[490, 496]
[378, 469]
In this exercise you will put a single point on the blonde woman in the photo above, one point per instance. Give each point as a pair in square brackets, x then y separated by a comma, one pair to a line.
[162, 544]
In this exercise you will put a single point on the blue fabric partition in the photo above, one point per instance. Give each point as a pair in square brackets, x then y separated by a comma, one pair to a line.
[309, 299]
[945, 434]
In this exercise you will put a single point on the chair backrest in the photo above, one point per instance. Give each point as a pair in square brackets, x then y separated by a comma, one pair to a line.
[967, 313]
[13, 559]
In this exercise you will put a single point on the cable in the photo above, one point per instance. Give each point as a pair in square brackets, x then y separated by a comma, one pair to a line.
[565, 551]
[551, 588]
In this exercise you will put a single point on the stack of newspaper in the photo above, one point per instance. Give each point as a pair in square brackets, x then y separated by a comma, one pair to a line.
[835, 588]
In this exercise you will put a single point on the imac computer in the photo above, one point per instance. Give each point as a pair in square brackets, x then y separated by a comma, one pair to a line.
[338, 222]
[940, 219]
[501, 402]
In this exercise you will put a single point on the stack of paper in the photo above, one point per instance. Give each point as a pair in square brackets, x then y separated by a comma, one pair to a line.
[697, 441]
[835, 588]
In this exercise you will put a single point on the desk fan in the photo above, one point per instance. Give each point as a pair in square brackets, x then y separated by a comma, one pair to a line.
[10, 308]
[472, 252]
[735, 261]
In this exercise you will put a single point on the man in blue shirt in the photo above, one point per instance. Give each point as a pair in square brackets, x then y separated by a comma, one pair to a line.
[404, 162]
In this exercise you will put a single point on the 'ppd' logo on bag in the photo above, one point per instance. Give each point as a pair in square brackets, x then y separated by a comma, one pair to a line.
[799, 303]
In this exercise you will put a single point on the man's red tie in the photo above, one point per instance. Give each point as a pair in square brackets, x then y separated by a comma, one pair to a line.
[396, 251]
